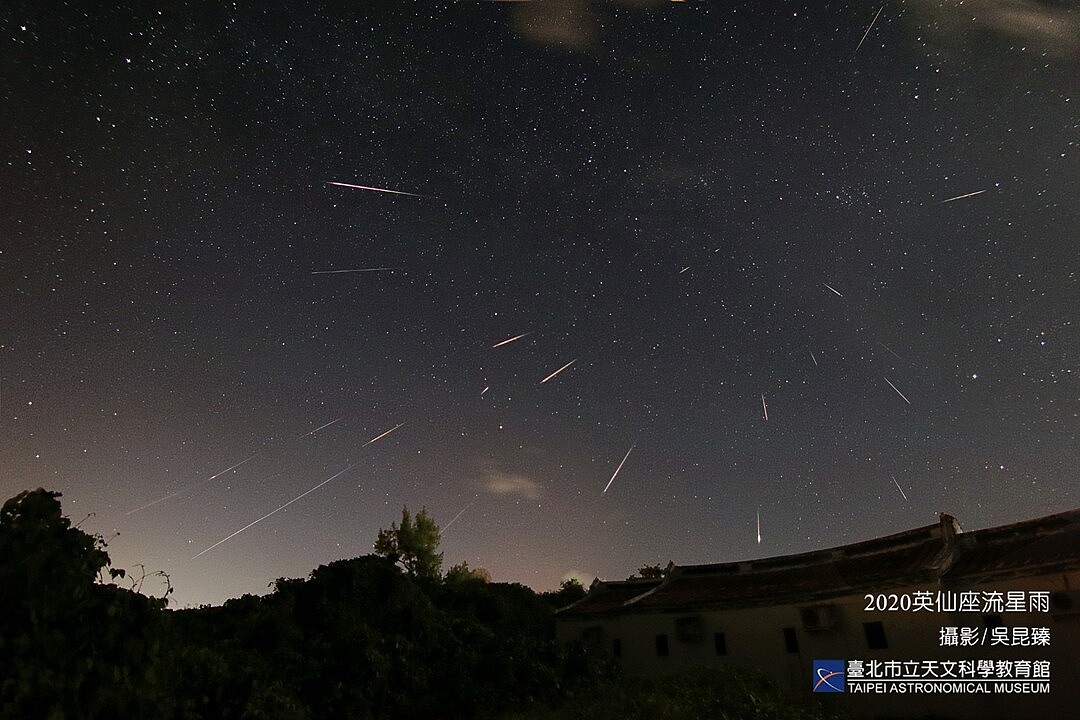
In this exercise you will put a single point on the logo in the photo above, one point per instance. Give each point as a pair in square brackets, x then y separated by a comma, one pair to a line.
[828, 676]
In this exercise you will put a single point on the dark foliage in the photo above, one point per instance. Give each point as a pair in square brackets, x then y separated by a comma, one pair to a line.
[360, 638]
[70, 646]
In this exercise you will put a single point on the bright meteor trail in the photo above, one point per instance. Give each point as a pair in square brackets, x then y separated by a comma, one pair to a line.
[961, 197]
[558, 371]
[868, 27]
[897, 390]
[380, 437]
[373, 189]
[272, 512]
[618, 468]
[510, 340]
[335, 272]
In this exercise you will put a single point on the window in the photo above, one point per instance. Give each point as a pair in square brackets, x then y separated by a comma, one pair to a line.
[875, 635]
[661, 646]
[688, 629]
[720, 643]
[616, 647]
[791, 641]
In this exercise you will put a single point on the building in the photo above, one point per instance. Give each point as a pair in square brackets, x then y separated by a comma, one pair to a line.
[935, 607]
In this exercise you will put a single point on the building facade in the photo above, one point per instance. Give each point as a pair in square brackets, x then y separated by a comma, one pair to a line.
[930, 622]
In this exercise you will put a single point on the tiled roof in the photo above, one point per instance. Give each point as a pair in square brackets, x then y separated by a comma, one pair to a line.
[611, 595]
[922, 556]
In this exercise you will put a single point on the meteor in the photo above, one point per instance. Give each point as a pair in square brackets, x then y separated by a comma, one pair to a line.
[558, 371]
[189, 487]
[273, 512]
[758, 527]
[861, 41]
[890, 350]
[320, 428]
[618, 468]
[335, 272]
[380, 437]
[373, 189]
[898, 486]
[961, 197]
[764, 407]
[897, 390]
[833, 289]
[510, 340]
[447, 526]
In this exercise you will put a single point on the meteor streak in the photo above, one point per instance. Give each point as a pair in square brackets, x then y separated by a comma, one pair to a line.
[814, 359]
[558, 371]
[374, 189]
[897, 390]
[334, 272]
[898, 487]
[961, 197]
[510, 340]
[189, 487]
[272, 512]
[890, 350]
[320, 428]
[758, 527]
[863, 39]
[447, 526]
[833, 289]
[618, 468]
[764, 407]
[380, 437]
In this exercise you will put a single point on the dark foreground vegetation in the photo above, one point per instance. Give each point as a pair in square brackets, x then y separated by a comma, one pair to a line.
[380, 636]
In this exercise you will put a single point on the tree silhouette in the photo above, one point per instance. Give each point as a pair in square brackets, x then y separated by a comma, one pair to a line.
[651, 572]
[70, 646]
[413, 544]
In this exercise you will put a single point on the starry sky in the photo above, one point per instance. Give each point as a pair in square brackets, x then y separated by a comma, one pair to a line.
[813, 263]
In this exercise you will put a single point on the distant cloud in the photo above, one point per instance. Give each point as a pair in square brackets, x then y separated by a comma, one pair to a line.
[499, 482]
[572, 24]
[1042, 27]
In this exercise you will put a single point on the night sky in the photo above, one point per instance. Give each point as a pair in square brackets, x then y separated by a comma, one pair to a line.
[801, 270]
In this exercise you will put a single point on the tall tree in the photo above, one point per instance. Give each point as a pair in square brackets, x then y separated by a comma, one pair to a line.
[413, 544]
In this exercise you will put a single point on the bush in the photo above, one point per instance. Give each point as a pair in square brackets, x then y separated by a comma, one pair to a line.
[721, 692]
